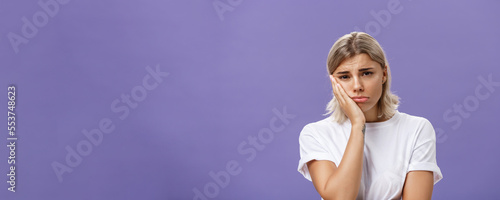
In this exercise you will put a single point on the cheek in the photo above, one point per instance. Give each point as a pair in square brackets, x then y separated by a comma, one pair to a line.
[379, 90]
[344, 85]
[376, 89]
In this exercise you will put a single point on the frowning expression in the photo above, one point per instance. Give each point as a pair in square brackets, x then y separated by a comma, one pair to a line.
[362, 79]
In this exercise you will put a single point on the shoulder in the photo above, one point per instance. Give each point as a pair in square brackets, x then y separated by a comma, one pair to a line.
[326, 126]
[421, 126]
[413, 120]
[325, 123]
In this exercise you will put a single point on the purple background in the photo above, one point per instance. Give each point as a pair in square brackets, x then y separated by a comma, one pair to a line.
[226, 75]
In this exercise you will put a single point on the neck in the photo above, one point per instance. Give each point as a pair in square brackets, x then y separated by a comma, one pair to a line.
[371, 116]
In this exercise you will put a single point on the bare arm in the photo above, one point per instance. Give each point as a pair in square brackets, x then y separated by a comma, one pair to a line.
[418, 185]
[342, 182]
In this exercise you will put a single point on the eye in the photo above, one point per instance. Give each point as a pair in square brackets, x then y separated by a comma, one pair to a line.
[343, 77]
[367, 73]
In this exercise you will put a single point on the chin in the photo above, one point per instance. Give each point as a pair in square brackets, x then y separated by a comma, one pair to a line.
[365, 107]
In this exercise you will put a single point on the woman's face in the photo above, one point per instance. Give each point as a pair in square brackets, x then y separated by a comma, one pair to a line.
[360, 76]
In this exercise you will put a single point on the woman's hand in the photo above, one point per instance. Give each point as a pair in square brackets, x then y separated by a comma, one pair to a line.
[350, 108]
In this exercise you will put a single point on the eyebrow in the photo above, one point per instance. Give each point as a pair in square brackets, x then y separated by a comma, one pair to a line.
[362, 69]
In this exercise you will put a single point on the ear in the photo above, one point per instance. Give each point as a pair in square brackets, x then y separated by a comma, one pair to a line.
[384, 78]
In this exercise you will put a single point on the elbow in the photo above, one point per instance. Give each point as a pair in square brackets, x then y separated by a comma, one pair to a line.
[338, 197]
[336, 193]
[334, 189]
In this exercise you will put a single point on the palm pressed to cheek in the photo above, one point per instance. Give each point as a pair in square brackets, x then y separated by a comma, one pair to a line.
[345, 87]
[361, 80]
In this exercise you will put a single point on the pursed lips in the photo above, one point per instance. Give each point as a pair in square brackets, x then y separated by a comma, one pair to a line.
[359, 99]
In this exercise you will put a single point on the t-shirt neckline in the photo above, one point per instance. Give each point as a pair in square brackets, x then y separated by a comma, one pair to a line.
[388, 122]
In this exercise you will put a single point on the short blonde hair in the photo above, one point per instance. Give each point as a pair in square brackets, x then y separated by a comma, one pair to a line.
[349, 46]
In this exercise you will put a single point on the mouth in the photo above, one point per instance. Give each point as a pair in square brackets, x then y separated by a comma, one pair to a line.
[359, 99]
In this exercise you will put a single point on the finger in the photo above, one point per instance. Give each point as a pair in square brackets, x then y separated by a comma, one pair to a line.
[341, 91]
[336, 90]
[334, 86]
[332, 81]
[345, 96]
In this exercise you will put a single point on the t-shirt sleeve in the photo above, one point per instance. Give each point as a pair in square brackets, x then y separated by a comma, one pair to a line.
[424, 152]
[311, 149]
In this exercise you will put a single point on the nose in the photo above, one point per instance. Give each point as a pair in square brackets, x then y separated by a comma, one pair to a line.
[358, 85]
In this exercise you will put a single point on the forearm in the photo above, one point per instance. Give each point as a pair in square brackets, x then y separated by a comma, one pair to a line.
[345, 181]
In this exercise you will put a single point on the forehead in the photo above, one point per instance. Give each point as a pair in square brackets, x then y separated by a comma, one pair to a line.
[357, 61]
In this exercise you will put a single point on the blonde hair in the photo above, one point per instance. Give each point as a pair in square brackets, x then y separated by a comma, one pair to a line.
[349, 46]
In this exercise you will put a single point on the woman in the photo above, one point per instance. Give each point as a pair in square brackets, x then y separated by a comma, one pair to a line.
[366, 148]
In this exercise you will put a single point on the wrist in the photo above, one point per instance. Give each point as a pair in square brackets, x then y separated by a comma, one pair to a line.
[359, 127]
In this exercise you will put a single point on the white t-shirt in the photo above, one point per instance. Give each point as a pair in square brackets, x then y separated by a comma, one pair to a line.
[393, 148]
